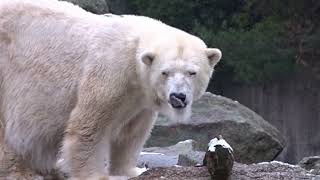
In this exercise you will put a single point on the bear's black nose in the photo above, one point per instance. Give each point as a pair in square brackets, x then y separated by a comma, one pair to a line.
[180, 96]
[178, 100]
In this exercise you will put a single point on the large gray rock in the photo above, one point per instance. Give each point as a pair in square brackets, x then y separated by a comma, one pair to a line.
[262, 171]
[253, 139]
[94, 6]
[184, 153]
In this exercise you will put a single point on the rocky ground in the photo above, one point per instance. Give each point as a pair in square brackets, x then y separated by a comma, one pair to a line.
[262, 171]
[178, 163]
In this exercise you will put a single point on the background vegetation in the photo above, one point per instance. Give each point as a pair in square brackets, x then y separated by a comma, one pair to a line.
[260, 39]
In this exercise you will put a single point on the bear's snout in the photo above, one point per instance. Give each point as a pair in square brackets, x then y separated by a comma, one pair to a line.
[178, 100]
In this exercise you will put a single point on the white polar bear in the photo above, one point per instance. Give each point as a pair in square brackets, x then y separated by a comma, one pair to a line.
[91, 86]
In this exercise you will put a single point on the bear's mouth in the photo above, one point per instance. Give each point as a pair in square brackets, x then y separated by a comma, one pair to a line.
[177, 103]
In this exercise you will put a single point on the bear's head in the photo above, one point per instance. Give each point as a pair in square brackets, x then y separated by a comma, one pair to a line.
[177, 69]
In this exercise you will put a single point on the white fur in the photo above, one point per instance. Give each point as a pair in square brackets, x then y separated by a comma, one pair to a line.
[74, 79]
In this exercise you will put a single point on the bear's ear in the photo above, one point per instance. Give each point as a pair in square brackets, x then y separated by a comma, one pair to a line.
[147, 58]
[214, 55]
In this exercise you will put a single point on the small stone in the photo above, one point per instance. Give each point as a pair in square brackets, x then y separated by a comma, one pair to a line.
[311, 163]
[219, 159]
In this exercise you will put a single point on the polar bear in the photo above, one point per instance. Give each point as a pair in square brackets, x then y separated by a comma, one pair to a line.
[87, 88]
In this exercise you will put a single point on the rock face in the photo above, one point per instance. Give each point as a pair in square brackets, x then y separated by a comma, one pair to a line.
[262, 171]
[252, 138]
[184, 153]
[311, 163]
[94, 6]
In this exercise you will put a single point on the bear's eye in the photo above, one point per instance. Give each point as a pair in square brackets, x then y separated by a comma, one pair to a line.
[192, 73]
[165, 73]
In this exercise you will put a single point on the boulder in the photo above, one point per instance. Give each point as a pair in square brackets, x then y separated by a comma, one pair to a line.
[252, 138]
[311, 163]
[262, 171]
[94, 6]
[184, 153]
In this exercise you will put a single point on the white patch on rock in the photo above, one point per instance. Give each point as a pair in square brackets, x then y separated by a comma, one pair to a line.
[185, 141]
[151, 153]
[60, 161]
[118, 178]
[278, 162]
[214, 142]
[141, 170]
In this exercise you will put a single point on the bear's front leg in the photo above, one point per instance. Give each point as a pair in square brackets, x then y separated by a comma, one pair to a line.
[86, 145]
[12, 166]
[126, 148]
